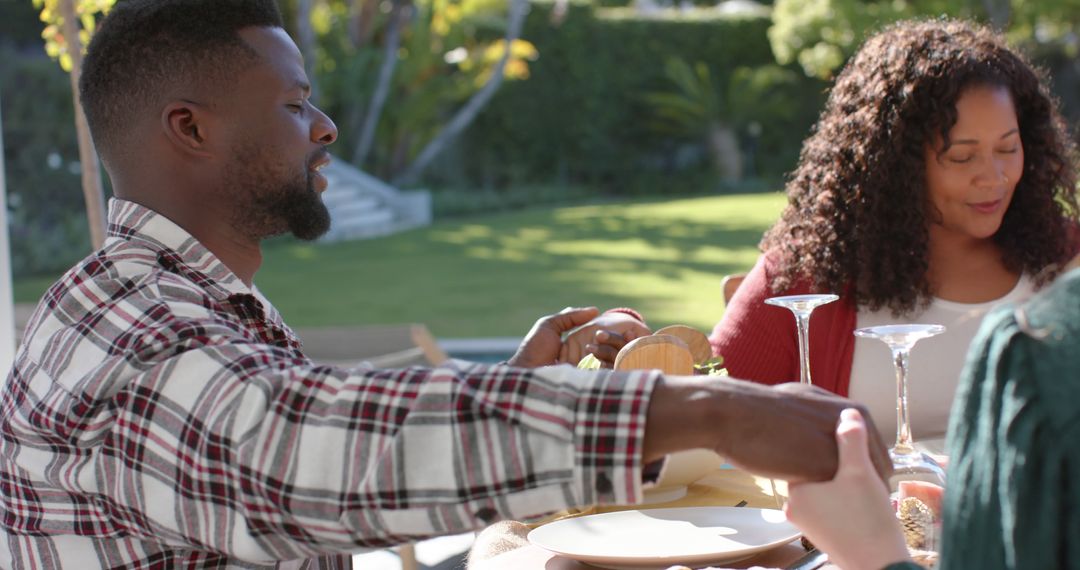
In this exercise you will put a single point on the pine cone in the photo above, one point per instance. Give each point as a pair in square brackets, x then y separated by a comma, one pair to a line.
[917, 521]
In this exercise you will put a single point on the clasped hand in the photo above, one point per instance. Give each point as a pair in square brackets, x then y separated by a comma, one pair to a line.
[585, 330]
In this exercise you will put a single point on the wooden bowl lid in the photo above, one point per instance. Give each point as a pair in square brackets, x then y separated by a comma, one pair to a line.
[695, 340]
[666, 353]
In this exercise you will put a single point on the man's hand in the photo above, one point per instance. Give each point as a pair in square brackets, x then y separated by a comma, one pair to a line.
[849, 517]
[542, 345]
[603, 336]
[785, 432]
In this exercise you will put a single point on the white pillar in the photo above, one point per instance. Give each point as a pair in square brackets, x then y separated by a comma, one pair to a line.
[7, 299]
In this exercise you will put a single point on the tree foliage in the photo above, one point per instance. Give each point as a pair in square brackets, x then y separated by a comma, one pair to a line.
[446, 51]
[56, 44]
[68, 27]
[821, 34]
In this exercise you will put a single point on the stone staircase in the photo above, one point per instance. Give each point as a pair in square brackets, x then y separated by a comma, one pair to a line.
[362, 206]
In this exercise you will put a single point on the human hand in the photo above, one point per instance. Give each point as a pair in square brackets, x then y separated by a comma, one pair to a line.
[603, 336]
[793, 431]
[849, 517]
[542, 345]
[785, 432]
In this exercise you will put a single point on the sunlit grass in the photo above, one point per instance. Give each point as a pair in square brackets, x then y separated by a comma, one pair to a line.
[494, 275]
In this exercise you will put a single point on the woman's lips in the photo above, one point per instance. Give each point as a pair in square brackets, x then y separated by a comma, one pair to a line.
[988, 207]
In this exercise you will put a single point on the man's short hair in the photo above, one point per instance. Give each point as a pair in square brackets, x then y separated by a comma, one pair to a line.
[147, 50]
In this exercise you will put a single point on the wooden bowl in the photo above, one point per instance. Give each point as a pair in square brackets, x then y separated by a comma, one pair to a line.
[695, 340]
[666, 353]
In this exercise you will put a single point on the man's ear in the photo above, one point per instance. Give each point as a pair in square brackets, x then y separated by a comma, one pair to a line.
[186, 125]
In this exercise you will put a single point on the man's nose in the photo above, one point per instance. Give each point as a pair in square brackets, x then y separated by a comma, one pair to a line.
[323, 129]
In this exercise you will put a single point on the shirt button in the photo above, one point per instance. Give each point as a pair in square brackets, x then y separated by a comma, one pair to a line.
[487, 514]
[603, 484]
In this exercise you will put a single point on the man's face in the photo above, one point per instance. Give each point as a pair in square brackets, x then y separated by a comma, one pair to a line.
[276, 144]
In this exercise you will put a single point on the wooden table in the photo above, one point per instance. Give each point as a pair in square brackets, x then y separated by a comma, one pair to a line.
[725, 487]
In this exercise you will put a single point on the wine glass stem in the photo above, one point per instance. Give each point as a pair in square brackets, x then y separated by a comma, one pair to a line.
[802, 324]
[903, 429]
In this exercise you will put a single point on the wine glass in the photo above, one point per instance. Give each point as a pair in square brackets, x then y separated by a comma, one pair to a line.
[909, 464]
[802, 306]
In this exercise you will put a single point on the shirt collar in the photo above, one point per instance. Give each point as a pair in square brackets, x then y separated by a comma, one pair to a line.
[176, 249]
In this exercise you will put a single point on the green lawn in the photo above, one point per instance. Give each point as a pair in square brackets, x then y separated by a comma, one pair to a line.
[494, 275]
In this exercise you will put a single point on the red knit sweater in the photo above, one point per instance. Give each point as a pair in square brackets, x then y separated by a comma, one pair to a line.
[759, 342]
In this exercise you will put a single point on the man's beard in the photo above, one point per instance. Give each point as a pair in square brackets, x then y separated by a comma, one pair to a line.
[266, 206]
[301, 208]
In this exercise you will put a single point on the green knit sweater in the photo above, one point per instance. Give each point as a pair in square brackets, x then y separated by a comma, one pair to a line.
[1013, 498]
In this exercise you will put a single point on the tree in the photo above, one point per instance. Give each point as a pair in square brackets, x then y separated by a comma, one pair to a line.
[515, 19]
[701, 106]
[404, 77]
[399, 17]
[306, 36]
[821, 34]
[68, 27]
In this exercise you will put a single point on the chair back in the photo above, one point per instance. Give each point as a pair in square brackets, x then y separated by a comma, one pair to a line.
[729, 284]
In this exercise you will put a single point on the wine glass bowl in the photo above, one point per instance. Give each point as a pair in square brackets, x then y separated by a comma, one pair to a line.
[902, 336]
[802, 306]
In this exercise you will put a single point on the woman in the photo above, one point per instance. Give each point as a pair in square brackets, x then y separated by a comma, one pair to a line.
[1013, 498]
[937, 184]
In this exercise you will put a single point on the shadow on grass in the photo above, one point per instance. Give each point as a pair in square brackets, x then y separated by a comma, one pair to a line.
[494, 276]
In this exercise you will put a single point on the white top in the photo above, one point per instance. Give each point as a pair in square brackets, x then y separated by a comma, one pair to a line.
[934, 366]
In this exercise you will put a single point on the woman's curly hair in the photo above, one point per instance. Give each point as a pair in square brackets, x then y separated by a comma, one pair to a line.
[857, 219]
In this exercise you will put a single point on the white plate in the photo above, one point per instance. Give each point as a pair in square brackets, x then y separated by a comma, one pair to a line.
[662, 537]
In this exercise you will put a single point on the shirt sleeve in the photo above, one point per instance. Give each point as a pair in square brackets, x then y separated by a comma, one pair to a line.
[756, 340]
[197, 435]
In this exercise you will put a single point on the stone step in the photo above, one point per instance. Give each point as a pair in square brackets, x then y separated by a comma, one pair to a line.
[362, 206]
[351, 197]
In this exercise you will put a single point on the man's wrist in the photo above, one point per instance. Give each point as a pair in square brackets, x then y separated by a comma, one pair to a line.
[682, 415]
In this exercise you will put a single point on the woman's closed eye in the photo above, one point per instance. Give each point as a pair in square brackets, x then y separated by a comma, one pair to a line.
[961, 158]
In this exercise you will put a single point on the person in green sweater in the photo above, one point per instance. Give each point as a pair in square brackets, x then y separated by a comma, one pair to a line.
[1013, 494]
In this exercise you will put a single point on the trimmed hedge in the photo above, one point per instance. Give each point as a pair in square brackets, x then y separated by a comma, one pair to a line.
[580, 117]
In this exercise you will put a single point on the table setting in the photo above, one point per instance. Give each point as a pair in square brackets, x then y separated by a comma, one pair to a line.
[703, 513]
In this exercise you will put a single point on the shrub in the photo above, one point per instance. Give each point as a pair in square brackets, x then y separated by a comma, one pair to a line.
[582, 116]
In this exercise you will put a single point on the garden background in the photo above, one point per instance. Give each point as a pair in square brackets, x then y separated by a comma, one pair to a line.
[633, 154]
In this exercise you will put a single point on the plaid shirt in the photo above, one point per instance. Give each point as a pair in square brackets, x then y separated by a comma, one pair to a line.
[161, 415]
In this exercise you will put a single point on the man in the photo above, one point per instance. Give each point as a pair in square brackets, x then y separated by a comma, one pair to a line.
[161, 415]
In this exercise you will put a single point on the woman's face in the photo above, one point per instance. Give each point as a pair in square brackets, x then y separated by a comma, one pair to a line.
[971, 183]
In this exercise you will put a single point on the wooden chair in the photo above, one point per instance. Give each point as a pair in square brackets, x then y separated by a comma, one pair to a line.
[730, 284]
